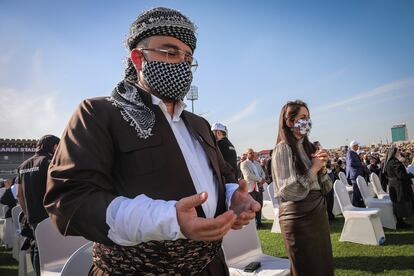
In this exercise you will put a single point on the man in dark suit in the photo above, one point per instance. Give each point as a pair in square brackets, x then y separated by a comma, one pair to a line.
[239, 172]
[142, 177]
[226, 147]
[353, 170]
[31, 187]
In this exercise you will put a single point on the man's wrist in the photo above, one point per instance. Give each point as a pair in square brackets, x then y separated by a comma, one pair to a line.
[230, 189]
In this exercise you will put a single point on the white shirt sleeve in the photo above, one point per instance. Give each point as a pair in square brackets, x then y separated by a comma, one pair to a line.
[230, 189]
[141, 219]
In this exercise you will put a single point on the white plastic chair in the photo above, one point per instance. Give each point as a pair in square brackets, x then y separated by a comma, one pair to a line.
[265, 195]
[8, 232]
[336, 209]
[271, 191]
[2, 191]
[362, 225]
[371, 191]
[2, 213]
[26, 261]
[384, 205]
[344, 180]
[15, 217]
[239, 254]
[16, 231]
[267, 208]
[376, 185]
[80, 262]
[54, 249]
[25, 268]
[4, 209]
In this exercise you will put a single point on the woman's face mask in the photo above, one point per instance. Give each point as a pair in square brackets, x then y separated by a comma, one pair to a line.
[304, 126]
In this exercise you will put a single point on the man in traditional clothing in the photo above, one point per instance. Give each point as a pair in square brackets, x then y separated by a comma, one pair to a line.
[142, 177]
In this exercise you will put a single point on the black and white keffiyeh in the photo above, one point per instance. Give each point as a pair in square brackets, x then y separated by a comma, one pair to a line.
[158, 21]
[125, 96]
[171, 81]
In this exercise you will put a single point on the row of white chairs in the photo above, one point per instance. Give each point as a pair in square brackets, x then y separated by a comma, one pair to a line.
[73, 255]
[270, 209]
[60, 255]
[55, 250]
[384, 205]
[373, 196]
[11, 238]
[70, 255]
[364, 225]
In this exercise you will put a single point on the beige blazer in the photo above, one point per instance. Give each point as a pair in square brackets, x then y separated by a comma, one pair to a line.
[249, 174]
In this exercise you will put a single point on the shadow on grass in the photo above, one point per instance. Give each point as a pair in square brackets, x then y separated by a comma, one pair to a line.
[8, 271]
[8, 265]
[399, 238]
[374, 264]
[393, 237]
[266, 225]
[337, 224]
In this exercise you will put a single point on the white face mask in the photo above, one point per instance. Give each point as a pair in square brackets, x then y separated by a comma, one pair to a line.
[304, 126]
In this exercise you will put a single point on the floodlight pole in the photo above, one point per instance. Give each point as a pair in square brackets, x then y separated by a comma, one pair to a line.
[192, 95]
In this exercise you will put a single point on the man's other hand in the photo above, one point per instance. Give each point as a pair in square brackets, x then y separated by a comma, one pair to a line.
[243, 205]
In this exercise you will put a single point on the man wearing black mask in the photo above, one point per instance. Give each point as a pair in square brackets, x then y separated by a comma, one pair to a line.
[142, 177]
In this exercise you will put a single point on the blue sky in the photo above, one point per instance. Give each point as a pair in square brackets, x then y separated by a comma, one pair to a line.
[351, 61]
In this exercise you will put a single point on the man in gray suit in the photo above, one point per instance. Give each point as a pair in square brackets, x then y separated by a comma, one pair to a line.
[255, 178]
[353, 170]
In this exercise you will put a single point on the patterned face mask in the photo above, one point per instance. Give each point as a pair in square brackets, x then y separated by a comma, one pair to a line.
[171, 80]
[304, 126]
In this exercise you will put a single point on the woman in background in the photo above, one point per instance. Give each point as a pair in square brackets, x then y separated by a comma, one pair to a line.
[399, 182]
[301, 181]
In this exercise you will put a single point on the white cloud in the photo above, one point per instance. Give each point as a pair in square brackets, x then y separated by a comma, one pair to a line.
[6, 56]
[242, 114]
[30, 112]
[381, 90]
[29, 115]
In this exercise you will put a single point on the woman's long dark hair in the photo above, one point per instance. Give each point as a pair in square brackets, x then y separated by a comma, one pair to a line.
[289, 112]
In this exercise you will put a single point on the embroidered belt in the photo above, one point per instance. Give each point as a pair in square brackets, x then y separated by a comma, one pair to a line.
[180, 257]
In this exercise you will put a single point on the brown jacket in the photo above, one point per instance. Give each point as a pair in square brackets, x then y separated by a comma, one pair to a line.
[101, 157]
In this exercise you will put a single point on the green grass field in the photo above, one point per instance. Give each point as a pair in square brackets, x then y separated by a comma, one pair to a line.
[8, 265]
[396, 257]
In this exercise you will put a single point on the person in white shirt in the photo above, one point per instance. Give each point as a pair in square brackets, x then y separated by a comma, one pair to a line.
[255, 178]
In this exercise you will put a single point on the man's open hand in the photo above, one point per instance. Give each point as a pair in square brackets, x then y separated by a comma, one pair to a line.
[202, 229]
